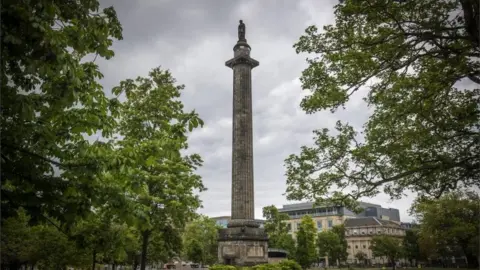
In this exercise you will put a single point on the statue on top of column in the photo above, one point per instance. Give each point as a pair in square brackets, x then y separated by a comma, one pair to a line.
[241, 31]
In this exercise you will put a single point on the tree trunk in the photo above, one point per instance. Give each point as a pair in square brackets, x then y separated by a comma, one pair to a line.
[143, 261]
[394, 265]
[94, 258]
[14, 266]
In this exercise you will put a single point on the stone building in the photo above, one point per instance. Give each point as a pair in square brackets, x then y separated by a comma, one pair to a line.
[325, 217]
[360, 231]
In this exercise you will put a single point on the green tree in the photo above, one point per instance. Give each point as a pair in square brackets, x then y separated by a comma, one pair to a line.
[200, 241]
[43, 245]
[341, 253]
[306, 250]
[50, 100]
[16, 238]
[387, 246]
[104, 239]
[148, 160]
[452, 222]
[287, 243]
[416, 65]
[411, 246]
[361, 257]
[278, 231]
[329, 245]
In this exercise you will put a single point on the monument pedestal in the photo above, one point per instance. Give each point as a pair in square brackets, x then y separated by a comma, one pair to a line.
[243, 245]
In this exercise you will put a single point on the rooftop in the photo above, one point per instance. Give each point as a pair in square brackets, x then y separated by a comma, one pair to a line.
[369, 221]
[310, 205]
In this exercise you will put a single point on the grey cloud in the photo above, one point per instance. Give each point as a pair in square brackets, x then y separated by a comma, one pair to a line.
[194, 39]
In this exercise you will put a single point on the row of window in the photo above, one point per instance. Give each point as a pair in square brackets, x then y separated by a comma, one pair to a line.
[296, 225]
[379, 231]
[356, 246]
[315, 212]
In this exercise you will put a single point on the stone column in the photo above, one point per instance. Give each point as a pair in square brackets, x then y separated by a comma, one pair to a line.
[243, 243]
[242, 136]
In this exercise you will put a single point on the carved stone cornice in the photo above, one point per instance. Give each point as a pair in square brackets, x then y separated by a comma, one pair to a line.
[242, 59]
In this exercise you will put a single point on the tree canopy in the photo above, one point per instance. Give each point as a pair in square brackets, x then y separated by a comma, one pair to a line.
[450, 224]
[387, 246]
[329, 245]
[200, 241]
[415, 64]
[50, 99]
[277, 229]
[132, 189]
[306, 252]
[341, 253]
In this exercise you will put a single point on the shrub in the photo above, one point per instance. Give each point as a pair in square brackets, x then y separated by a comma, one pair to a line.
[289, 265]
[267, 266]
[283, 265]
[222, 267]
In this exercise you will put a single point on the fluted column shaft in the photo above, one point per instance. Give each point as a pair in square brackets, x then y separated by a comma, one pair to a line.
[242, 144]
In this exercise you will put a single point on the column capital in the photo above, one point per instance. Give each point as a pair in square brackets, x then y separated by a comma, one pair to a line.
[242, 59]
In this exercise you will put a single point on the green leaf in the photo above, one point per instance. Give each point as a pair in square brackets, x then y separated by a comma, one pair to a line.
[151, 160]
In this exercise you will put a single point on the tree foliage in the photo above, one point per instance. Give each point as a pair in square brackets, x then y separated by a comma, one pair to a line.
[329, 245]
[387, 246]
[411, 245]
[131, 190]
[416, 62]
[449, 224]
[200, 241]
[306, 253]
[42, 246]
[277, 229]
[361, 257]
[50, 99]
[341, 253]
[148, 161]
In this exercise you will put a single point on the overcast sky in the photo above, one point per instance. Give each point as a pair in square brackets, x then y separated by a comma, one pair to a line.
[194, 38]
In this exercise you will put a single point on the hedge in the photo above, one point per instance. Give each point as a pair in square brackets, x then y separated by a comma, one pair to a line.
[283, 265]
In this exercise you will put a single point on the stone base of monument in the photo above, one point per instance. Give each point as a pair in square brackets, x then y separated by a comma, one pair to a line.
[243, 243]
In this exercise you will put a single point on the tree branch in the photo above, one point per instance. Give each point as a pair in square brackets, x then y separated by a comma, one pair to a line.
[44, 158]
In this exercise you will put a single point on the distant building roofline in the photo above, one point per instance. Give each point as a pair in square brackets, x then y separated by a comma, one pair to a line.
[309, 205]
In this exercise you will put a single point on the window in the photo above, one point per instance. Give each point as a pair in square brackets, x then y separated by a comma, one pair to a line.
[364, 246]
[289, 227]
[363, 232]
[319, 225]
[330, 223]
[348, 246]
[356, 246]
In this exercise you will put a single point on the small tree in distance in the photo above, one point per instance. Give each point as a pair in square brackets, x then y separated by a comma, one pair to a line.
[361, 257]
[387, 246]
[329, 245]
[277, 230]
[306, 250]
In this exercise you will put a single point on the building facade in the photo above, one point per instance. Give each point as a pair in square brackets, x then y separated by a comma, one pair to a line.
[359, 233]
[325, 217]
[222, 221]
